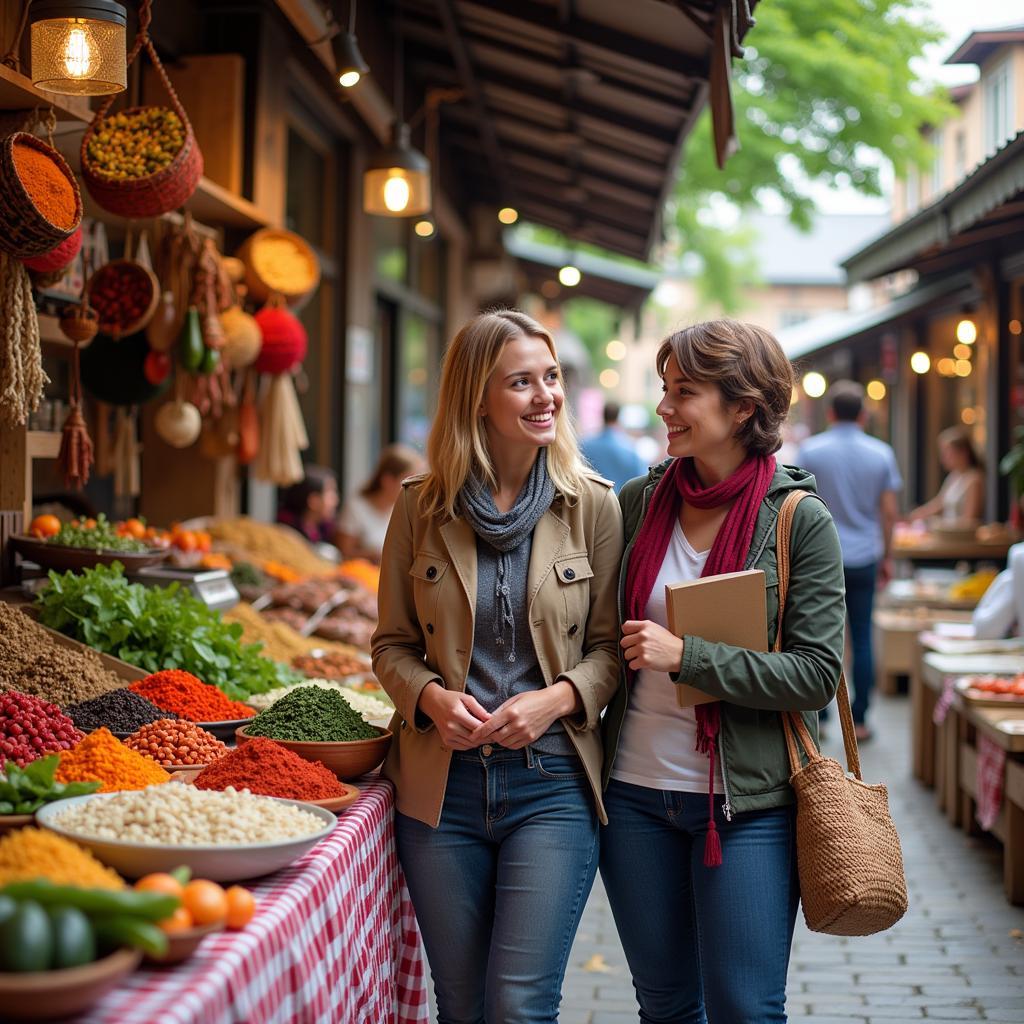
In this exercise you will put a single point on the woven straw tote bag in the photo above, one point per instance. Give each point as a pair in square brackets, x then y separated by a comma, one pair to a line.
[847, 848]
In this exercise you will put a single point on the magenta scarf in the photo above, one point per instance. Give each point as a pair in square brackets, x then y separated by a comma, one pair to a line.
[746, 488]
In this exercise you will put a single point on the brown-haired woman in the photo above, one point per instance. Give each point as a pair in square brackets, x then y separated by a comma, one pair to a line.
[698, 856]
[365, 515]
[498, 642]
[961, 499]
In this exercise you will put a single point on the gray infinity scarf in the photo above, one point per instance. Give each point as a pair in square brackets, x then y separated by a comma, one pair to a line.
[505, 531]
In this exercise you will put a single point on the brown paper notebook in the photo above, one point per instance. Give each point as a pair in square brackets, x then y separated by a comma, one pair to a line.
[727, 609]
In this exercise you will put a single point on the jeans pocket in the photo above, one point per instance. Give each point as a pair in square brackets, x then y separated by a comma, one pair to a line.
[559, 766]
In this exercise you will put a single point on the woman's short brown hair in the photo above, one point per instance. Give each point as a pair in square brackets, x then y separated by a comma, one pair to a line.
[745, 362]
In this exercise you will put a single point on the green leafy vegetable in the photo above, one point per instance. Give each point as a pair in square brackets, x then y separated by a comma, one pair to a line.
[157, 628]
[101, 537]
[25, 790]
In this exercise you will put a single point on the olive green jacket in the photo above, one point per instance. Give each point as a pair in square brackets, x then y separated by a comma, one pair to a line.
[753, 686]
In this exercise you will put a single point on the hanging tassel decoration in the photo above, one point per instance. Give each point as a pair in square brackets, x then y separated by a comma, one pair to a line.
[76, 454]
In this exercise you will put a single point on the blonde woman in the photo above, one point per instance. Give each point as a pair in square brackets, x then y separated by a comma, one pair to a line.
[498, 644]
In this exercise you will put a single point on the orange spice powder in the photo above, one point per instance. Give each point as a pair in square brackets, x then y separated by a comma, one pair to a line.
[47, 185]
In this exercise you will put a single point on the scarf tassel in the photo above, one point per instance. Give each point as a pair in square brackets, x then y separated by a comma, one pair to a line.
[712, 841]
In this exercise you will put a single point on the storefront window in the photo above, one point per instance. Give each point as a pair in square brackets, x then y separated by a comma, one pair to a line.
[418, 351]
[391, 249]
[307, 174]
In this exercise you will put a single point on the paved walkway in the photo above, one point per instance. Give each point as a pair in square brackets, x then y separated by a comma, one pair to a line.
[957, 955]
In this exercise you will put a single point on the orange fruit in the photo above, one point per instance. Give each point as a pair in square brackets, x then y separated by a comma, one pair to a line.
[44, 526]
[160, 882]
[205, 901]
[135, 528]
[179, 921]
[185, 540]
[90, 524]
[241, 906]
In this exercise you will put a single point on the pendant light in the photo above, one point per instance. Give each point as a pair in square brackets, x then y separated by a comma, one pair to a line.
[350, 66]
[396, 182]
[78, 49]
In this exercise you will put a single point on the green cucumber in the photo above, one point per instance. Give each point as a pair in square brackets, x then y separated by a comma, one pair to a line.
[7, 907]
[74, 943]
[26, 940]
[153, 906]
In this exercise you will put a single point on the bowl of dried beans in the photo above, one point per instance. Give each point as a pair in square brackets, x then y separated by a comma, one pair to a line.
[125, 295]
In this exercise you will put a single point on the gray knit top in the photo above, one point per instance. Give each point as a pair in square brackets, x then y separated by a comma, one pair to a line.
[493, 677]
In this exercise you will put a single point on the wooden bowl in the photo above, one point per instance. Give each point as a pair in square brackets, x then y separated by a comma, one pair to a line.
[62, 557]
[347, 760]
[124, 268]
[335, 803]
[48, 995]
[181, 945]
[261, 277]
[9, 822]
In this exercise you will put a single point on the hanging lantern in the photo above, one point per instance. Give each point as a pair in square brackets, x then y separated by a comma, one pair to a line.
[284, 340]
[78, 49]
[396, 182]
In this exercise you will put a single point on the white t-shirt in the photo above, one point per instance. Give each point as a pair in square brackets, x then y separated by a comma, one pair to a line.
[657, 746]
[360, 519]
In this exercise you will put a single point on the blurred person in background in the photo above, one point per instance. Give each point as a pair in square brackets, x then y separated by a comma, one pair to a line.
[311, 506]
[859, 479]
[962, 495]
[365, 517]
[611, 453]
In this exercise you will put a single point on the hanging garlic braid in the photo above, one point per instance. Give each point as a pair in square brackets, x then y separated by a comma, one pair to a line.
[21, 362]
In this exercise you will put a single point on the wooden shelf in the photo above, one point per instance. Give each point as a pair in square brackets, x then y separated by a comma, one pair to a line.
[216, 206]
[43, 444]
[18, 93]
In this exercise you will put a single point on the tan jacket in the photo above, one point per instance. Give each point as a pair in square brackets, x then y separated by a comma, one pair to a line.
[427, 607]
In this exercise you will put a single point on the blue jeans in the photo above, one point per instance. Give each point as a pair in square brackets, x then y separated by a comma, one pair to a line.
[860, 601]
[499, 887]
[703, 944]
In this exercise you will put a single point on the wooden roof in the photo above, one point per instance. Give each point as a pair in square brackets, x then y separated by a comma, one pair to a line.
[574, 111]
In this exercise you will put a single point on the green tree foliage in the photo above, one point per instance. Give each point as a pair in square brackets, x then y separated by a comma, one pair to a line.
[824, 94]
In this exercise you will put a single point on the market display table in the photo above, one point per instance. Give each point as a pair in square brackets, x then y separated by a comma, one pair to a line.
[934, 548]
[895, 633]
[334, 940]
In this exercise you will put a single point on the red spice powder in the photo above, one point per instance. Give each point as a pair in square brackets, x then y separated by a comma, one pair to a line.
[189, 697]
[265, 767]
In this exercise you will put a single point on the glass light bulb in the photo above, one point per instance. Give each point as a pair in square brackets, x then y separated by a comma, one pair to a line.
[78, 52]
[396, 194]
[348, 79]
[570, 276]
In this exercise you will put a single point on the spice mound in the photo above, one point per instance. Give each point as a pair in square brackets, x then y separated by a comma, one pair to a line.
[120, 711]
[185, 816]
[368, 706]
[47, 185]
[189, 697]
[30, 728]
[172, 742]
[265, 767]
[33, 662]
[35, 853]
[313, 715]
[105, 759]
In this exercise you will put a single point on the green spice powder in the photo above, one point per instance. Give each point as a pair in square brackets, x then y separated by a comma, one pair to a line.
[311, 714]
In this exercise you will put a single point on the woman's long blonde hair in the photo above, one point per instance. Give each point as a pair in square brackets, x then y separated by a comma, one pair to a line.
[457, 445]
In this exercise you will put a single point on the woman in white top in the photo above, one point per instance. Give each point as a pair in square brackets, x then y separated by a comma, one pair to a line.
[365, 516]
[962, 495]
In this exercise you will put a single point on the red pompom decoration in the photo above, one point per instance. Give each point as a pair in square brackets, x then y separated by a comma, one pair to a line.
[59, 258]
[284, 340]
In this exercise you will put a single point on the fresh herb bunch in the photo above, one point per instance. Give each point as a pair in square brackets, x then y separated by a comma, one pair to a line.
[157, 628]
[25, 790]
[101, 537]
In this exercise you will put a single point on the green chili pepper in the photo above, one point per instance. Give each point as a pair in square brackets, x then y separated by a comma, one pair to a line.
[151, 906]
[130, 931]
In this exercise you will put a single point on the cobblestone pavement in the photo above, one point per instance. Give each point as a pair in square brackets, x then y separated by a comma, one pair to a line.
[956, 955]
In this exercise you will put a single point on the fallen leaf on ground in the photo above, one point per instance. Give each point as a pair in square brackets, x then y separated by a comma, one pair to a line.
[597, 965]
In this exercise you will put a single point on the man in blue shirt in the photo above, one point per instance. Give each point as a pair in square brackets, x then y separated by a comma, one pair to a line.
[859, 479]
[611, 454]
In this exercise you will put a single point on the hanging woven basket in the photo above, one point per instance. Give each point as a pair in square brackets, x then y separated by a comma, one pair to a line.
[131, 184]
[24, 230]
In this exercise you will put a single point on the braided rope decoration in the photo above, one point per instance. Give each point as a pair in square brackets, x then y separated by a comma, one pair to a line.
[22, 379]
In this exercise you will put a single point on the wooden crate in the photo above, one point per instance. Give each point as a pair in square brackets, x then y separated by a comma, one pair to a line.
[211, 88]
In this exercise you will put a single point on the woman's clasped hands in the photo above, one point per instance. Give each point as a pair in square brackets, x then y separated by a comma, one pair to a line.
[646, 645]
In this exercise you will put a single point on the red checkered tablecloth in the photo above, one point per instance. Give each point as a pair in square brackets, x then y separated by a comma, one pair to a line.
[334, 941]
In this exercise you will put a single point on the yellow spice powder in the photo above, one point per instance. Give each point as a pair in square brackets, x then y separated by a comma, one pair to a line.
[102, 757]
[29, 853]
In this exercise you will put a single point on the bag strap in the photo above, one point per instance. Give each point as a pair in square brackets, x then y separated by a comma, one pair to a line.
[792, 721]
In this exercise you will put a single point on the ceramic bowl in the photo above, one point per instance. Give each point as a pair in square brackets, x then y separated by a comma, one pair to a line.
[48, 995]
[224, 731]
[181, 945]
[334, 803]
[9, 822]
[348, 760]
[61, 557]
[225, 863]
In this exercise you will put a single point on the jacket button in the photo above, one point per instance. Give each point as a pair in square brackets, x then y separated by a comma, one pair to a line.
[573, 629]
[430, 628]
[431, 572]
[569, 574]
